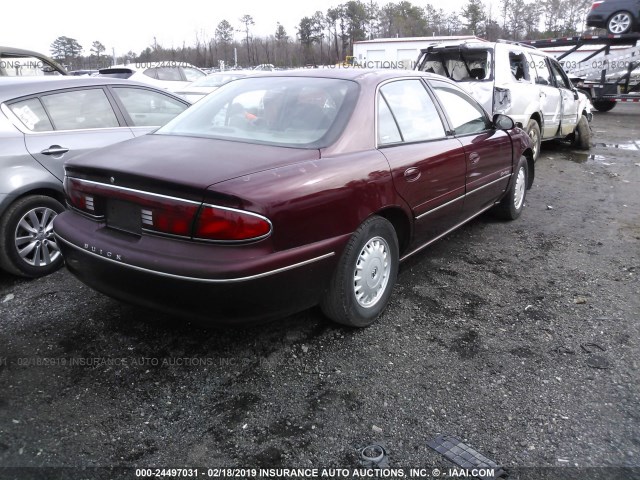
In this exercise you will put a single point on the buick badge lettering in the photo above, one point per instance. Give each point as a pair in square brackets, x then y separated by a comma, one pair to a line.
[102, 253]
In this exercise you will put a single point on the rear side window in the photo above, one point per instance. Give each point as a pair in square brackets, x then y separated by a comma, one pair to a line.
[171, 74]
[32, 115]
[413, 110]
[147, 108]
[543, 75]
[519, 66]
[80, 109]
[192, 74]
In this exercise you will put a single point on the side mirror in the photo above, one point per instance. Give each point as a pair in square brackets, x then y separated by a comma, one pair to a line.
[575, 93]
[503, 122]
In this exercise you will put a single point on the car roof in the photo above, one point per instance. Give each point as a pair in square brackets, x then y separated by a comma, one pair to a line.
[14, 87]
[357, 74]
[141, 66]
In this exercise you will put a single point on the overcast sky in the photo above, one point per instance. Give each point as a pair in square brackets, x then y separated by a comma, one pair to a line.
[132, 25]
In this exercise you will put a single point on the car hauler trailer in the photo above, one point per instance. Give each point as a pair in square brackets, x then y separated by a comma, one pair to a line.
[607, 76]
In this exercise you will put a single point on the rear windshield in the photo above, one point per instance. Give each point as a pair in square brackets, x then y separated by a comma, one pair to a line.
[460, 65]
[285, 111]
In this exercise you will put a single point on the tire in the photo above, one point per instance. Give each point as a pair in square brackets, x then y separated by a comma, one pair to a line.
[533, 130]
[603, 105]
[372, 253]
[26, 227]
[511, 206]
[620, 23]
[582, 134]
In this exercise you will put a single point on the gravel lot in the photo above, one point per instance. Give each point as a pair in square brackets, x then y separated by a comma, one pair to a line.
[521, 339]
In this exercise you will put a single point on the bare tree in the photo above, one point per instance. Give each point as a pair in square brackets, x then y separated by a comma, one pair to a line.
[247, 21]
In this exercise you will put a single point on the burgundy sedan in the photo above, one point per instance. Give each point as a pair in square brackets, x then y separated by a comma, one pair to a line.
[280, 192]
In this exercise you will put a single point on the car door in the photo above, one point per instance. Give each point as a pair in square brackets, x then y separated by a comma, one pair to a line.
[145, 110]
[550, 98]
[427, 165]
[569, 97]
[488, 151]
[61, 125]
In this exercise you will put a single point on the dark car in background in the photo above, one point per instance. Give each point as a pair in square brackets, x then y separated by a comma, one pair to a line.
[282, 191]
[617, 16]
[45, 121]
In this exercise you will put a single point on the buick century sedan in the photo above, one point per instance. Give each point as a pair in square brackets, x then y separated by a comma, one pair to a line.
[283, 191]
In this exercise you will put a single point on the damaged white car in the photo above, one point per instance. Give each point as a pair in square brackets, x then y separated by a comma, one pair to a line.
[516, 80]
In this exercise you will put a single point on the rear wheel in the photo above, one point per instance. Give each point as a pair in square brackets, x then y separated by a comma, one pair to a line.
[603, 105]
[27, 245]
[533, 130]
[582, 134]
[512, 204]
[620, 22]
[364, 278]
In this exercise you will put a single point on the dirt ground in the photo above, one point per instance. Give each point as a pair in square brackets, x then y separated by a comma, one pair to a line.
[521, 339]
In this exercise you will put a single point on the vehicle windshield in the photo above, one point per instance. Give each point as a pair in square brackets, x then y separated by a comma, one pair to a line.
[25, 66]
[284, 111]
[216, 79]
[461, 65]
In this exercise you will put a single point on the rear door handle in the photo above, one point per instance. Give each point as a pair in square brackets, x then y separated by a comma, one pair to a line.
[474, 158]
[54, 150]
[412, 174]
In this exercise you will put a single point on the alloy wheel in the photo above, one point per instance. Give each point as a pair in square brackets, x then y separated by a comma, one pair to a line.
[34, 238]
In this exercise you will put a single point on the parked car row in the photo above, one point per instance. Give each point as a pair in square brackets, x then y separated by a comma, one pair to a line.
[280, 190]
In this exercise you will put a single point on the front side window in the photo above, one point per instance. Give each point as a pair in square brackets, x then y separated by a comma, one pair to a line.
[413, 111]
[80, 109]
[466, 116]
[561, 78]
[285, 111]
[147, 108]
[32, 115]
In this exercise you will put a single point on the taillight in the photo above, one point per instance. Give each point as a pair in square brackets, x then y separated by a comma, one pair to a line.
[137, 211]
[81, 198]
[167, 216]
[595, 5]
[228, 224]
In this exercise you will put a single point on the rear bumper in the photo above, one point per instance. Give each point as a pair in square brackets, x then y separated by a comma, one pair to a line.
[226, 284]
[597, 20]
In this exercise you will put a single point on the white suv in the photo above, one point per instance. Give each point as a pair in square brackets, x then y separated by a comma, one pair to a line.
[170, 75]
[517, 80]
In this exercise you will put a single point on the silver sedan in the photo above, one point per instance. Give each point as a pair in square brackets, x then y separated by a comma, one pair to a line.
[45, 121]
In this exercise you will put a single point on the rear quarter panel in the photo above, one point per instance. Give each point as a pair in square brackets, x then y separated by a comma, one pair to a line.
[316, 200]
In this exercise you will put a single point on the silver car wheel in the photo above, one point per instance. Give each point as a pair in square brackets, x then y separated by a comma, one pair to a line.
[34, 238]
[519, 192]
[372, 272]
[619, 23]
